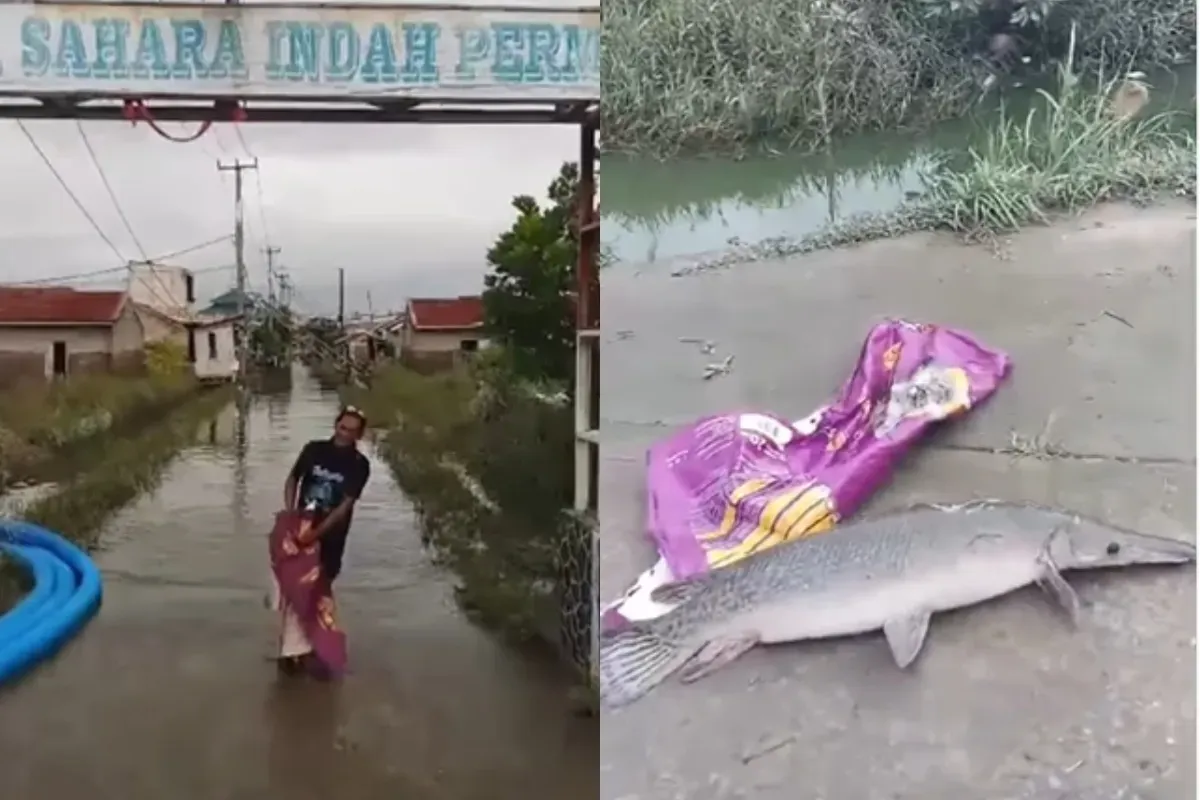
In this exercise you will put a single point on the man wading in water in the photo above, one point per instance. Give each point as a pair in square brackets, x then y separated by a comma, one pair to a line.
[326, 480]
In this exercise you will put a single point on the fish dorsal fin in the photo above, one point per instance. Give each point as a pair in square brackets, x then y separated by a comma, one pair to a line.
[676, 592]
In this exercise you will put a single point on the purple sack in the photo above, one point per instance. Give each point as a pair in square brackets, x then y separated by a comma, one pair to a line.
[739, 483]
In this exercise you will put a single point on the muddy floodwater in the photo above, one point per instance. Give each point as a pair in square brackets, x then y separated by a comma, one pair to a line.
[169, 692]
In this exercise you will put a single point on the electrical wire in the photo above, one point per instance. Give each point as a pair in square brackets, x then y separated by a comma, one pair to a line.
[129, 264]
[79, 204]
[66, 188]
[100, 273]
[193, 248]
[168, 300]
[83, 209]
[87, 143]
[114, 270]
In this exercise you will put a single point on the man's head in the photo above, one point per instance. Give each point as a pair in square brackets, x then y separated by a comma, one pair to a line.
[349, 426]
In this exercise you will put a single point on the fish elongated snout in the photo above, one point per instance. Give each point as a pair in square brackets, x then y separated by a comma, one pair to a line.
[1157, 550]
[1096, 546]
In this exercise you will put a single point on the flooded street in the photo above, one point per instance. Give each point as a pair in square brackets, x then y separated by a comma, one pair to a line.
[656, 211]
[169, 692]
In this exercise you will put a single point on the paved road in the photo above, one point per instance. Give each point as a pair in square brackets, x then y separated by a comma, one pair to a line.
[168, 693]
[1099, 316]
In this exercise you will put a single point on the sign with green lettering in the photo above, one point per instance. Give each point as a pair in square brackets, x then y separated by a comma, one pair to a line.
[301, 52]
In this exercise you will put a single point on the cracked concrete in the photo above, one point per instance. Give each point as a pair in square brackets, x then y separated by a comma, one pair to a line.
[1098, 313]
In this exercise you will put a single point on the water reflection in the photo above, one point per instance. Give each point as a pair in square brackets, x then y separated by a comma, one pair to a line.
[240, 444]
[655, 211]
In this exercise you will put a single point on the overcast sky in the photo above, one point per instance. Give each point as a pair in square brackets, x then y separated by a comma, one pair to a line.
[407, 210]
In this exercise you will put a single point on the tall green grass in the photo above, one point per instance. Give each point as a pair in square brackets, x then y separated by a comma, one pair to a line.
[1070, 152]
[488, 466]
[51, 414]
[699, 75]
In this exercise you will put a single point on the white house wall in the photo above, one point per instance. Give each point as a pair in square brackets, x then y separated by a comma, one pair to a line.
[225, 365]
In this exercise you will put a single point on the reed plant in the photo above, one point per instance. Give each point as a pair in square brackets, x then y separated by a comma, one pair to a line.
[1069, 152]
[705, 75]
[486, 461]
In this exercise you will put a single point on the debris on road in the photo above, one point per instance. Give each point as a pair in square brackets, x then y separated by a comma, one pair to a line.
[713, 370]
[707, 346]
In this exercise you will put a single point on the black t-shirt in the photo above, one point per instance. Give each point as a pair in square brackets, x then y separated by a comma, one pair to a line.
[326, 475]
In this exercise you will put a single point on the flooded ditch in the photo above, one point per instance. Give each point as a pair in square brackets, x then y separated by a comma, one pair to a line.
[655, 211]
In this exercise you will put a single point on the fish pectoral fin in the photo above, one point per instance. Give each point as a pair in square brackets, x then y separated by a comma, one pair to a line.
[906, 636]
[1054, 584]
[715, 654]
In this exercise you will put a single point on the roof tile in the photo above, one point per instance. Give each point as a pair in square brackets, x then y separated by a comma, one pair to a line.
[445, 313]
[58, 306]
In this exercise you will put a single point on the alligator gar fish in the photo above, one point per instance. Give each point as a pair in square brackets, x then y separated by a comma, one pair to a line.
[890, 573]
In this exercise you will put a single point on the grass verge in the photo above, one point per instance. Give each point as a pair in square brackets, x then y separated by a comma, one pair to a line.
[130, 467]
[486, 462]
[44, 422]
[703, 75]
[1067, 154]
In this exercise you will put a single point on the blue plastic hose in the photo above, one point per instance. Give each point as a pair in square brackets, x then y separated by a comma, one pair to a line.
[66, 593]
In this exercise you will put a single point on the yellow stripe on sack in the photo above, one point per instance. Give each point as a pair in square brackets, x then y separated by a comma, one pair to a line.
[811, 513]
[743, 491]
[820, 516]
[765, 534]
[820, 519]
[812, 507]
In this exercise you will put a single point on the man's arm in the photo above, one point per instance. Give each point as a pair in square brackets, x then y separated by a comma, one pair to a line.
[353, 490]
[333, 519]
[292, 484]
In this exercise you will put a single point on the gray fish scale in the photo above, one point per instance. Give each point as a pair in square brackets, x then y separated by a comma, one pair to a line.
[867, 575]
[874, 549]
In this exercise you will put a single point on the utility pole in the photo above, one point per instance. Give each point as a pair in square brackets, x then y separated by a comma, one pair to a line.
[239, 246]
[271, 253]
[341, 319]
[285, 287]
[343, 349]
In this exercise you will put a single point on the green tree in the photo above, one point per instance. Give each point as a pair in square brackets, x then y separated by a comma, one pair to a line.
[527, 300]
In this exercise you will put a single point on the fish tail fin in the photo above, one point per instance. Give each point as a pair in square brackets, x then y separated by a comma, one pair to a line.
[635, 660]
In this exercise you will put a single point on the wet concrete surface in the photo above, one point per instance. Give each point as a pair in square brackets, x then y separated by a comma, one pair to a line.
[169, 692]
[1006, 701]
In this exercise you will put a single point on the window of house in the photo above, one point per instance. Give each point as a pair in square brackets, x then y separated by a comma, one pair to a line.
[190, 287]
[212, 346]
[191, 345]
[469, 345]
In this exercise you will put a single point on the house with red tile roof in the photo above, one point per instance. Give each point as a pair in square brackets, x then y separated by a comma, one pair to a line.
[54, 331]
[442, 329]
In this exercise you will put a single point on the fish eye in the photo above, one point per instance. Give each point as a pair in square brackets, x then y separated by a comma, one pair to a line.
[1113, 548]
